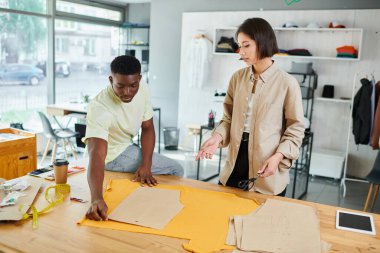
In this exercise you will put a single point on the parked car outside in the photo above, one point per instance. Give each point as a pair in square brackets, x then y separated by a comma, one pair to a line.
[62, 68]
[100, 68]
[20, 74]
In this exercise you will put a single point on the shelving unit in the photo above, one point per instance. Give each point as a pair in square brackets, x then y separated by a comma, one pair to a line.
[296, 57]
[300, 171]
[308, 38]
[301, 167]
[223, 32]
[306, 29]
[308, 85]
[315, 58]
[134, 40]
[311, 38]
[334, 100]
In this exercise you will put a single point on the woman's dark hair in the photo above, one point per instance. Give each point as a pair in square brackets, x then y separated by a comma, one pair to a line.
[262, 33]
[125, 65]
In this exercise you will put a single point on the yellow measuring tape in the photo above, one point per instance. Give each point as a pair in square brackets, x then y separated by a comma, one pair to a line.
[60, 191]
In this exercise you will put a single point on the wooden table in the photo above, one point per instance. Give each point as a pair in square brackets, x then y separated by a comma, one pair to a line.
[64, 109]
[78, 109]
[58, 231]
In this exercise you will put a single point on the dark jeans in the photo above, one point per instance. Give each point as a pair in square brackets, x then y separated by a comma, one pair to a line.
[240, 171]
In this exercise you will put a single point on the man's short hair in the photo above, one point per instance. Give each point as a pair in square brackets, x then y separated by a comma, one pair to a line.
[125, 65]
[262, 33]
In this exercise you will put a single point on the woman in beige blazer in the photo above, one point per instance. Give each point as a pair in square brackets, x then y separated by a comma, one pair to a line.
[263, 117]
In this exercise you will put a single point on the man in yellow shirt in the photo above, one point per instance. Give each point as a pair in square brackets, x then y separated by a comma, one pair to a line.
[114, 117]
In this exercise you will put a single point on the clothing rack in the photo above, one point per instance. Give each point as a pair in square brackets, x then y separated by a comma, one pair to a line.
[355, 88]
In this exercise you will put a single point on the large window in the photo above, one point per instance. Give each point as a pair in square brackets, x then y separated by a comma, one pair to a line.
[89, 46]
[91, 11]
[23, 54]
[82, 60]
[37, 6]
[61, 45]
[86, 40]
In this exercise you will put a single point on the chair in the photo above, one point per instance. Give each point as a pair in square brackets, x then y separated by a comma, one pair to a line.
[374, 178]
[56, 135]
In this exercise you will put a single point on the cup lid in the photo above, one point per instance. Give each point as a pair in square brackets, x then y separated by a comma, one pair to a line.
[60, 162]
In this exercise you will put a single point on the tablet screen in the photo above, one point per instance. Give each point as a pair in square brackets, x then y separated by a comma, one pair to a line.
[355, 222]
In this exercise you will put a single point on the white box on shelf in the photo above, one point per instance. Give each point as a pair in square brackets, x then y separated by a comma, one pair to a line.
[327, 163]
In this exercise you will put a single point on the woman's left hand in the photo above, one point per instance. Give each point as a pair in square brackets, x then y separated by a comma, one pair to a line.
[270, 166]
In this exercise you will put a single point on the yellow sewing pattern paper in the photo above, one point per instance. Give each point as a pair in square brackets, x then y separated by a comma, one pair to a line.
[203, 220]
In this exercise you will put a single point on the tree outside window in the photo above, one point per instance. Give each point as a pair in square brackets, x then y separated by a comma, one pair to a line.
[21, 36]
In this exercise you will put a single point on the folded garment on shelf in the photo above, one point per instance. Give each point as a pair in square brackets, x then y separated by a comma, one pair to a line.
[347, 51]
[336, 24]
[343, 55]
[290, 24]
[299, 51]
[227, 45]
[281, 54]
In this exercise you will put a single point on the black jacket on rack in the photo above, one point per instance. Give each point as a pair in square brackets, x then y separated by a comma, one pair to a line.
[361, 113]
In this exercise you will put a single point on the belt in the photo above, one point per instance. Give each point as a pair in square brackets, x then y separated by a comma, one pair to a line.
[245, 136]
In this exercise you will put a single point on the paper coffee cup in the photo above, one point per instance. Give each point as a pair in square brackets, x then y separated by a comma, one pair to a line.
[60, 171]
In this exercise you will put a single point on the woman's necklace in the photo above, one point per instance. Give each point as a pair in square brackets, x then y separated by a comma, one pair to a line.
[253, 78]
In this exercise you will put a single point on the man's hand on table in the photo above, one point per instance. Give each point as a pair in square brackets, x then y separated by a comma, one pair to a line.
[145, 176]
[98, 210]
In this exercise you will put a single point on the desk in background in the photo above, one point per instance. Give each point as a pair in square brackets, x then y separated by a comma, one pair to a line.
[58, 231]
[73, 109]
[64, 109]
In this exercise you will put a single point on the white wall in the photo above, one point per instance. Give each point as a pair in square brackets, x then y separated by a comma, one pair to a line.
[139, 13]
[166, 16]
[330, 120]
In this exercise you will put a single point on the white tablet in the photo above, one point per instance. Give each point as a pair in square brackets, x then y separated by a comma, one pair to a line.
[356, 222]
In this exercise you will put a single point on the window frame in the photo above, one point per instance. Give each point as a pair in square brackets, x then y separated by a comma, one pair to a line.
[40, 14]
[52, 15]
[93, 20]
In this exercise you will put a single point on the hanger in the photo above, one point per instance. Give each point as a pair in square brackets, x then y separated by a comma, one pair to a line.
[372, 75]
[201, 35]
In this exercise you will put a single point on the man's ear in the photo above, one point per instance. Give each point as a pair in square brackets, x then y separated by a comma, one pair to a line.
[111, 79]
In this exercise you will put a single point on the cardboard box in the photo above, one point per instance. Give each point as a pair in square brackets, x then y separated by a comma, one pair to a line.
[327, 163]
[302, 67]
